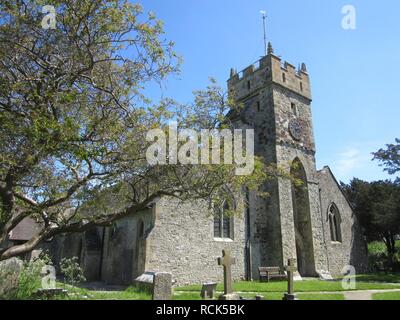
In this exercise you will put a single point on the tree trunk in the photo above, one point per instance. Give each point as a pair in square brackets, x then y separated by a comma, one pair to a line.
[390, 243]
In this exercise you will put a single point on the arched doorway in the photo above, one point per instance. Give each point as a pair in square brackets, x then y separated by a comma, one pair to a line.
[302, 220]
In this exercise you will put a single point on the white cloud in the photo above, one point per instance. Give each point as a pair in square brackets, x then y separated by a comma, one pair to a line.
[355, 160]
[349, 160]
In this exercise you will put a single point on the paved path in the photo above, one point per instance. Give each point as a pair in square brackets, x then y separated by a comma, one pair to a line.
[364, 294]
[358, 295]
[348, 295]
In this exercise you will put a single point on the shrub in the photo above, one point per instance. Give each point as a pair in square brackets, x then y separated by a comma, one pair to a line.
[73, 273]
[30, 279]
[379, 260]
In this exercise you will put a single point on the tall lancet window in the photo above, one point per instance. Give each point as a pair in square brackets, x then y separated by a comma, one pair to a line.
[223, 221]
[334, 223]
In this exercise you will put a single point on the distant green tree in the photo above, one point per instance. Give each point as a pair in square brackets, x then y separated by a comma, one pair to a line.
[377, 204]
[390, 157]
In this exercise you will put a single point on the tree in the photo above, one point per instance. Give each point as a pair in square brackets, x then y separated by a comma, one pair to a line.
[377, 205]
[390, 157]
[74, 118]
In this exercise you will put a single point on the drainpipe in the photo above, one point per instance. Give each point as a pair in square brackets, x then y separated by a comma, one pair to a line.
[249, 276]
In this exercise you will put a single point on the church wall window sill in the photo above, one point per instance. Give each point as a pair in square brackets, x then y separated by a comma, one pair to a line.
[223, 240]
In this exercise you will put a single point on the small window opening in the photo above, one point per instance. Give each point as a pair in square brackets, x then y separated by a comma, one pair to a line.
[294, 109]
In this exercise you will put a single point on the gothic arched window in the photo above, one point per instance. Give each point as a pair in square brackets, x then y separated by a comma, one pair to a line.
[223, 222]
[334, 223]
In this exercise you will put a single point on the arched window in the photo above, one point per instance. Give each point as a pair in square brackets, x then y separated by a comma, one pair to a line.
[334, 223]
[223, 222]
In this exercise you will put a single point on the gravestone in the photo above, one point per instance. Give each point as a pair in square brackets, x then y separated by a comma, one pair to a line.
[227, 261]
[162, 286]
[257, 297]
[145, 281]
[208, 290]
[297, 276]
[10, 271]
[325, 275]
[291, 269]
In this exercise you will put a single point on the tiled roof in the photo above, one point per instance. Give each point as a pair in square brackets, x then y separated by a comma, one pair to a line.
[25, 230]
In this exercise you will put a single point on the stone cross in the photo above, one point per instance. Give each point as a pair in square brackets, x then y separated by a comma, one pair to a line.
[226, 260]
[291, 268]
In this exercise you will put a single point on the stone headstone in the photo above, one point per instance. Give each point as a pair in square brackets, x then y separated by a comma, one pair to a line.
[35, 254]
[162, 286]
[10, 271]
[227, 261]
[297, 276]
[208, 290]
[325, 275]
[257, 297]
[145, 281]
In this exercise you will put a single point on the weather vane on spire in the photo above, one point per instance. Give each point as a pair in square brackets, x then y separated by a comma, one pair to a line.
[264, 17]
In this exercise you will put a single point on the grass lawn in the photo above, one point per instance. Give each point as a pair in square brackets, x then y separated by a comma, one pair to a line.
[187, 295]
[306, 290]
[386, 296]
[131, 293]
[320, 296]
[299, 286]
[380, 277]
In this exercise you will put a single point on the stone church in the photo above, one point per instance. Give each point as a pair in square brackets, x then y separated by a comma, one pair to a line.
[313, 223]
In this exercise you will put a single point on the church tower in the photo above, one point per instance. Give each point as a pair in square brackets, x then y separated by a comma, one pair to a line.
[276, 100]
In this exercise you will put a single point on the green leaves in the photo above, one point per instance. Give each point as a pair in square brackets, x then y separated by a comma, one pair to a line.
[71, 270]
[74, 118]
[389, 157]
[68, 92]
[377, 205]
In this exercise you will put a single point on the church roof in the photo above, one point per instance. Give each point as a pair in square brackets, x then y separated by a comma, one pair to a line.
[328, 170]
[25, 230]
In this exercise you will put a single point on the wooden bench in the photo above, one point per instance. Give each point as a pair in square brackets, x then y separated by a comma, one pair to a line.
[271, 273]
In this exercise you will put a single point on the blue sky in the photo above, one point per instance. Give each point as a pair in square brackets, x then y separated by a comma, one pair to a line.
[354, 73]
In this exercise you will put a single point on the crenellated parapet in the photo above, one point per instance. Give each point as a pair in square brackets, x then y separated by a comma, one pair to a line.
[270, 69]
